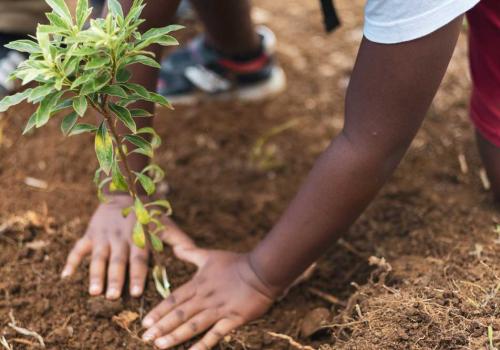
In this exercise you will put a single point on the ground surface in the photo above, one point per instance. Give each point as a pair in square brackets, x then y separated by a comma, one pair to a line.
[433, 223]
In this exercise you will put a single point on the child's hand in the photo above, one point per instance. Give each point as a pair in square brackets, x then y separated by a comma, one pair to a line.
[109, 239]
[224, 294]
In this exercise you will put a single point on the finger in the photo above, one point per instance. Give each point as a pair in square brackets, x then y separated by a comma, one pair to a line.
[193, 255]
[174, 236]
[189, 329]
[138, 270]
[100, 255]
[215, 335]
[116, 270]
[178, 297]
[173, 319]
[82, 248]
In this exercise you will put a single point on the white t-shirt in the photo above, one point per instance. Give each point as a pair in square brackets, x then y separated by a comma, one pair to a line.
[395, 21]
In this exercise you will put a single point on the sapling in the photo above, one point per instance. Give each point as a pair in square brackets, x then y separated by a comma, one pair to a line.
[78, 66]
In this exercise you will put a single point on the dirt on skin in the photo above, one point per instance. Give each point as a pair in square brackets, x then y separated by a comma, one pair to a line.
[436, 288]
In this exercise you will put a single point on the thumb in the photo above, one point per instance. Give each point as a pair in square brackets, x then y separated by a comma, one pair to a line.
[194, 255]
[174, 236]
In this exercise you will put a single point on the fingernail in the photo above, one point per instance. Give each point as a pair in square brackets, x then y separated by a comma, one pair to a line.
[162, 343]
[148, 336]
[136, 291]
[66, 272]
[147, 322]
[94, 289]
[112, 293]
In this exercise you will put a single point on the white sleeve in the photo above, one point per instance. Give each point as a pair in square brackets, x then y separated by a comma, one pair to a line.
[395, 21]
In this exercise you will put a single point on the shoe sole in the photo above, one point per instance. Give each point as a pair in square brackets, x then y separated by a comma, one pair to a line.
[255, 93]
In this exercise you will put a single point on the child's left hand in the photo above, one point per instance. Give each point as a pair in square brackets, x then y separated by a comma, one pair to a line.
[224, 294]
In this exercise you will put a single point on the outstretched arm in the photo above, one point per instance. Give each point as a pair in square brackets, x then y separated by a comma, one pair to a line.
[390, 91]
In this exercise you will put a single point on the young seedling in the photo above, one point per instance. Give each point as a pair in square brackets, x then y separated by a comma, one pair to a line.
[77, 68]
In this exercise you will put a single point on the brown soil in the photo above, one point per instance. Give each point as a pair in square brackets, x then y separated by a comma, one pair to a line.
[434, 224]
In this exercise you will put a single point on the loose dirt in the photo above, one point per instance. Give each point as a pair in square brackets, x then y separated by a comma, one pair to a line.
[436, 288]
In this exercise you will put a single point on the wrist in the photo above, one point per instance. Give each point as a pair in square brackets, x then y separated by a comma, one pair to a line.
[258, 268]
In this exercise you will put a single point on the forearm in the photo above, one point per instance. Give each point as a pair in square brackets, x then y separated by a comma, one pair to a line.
[342, 183]
[157, 13]
[390, 91]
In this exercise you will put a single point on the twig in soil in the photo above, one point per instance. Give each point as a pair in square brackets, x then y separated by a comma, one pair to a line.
[124, 319]
[5, 343]
[349, 247]
[464, 168]
[325, 296]
[13, 324]
[484, 179]
[290, 341]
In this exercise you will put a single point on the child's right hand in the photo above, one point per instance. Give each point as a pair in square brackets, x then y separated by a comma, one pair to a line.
[108, 240]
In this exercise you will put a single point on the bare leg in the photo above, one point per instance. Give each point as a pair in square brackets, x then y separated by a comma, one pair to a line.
[491, 159]
[228, 26]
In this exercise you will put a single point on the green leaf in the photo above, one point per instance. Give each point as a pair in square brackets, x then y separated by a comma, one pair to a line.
[159, 99]
[40, 92]
[63, 105]
[82, 12]
[161, 281]
[100, 187]
[155, 139]
[13, 100]
[46, 107]
[122, 75]
[137, 112]
[162, 203]
[156, 242]
[82, 128]
[138, 89]
[155, 172]
[93, 86]
[24, 45]
[157, 32]
[126, 211]
[104, 148]
[68, 122]
[124, 115]
[31, 123]
[143, 59]
[114, 90]
[80, 105]
[57, 22]
[141, 212]
[141, 143]
[118, 179]
[50, 29]
[60, 7]
[82, 80]
[115, 7]
[44, 43]
[138, 236]
[166, 40]
[146, 183]
[97, 62]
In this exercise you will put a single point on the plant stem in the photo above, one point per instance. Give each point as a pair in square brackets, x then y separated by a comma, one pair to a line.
[128, 173]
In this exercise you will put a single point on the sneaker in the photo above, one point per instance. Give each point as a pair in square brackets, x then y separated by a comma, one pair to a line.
[198, 72]
[9, 61]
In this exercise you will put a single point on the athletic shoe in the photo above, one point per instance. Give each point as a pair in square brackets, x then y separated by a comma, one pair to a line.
[9, 61]
[198, 72]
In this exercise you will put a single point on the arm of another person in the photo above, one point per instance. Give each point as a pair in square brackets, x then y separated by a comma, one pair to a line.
[390, 91]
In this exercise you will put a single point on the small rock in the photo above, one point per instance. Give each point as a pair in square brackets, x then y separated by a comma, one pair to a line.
[314, 321]
[101, 307]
